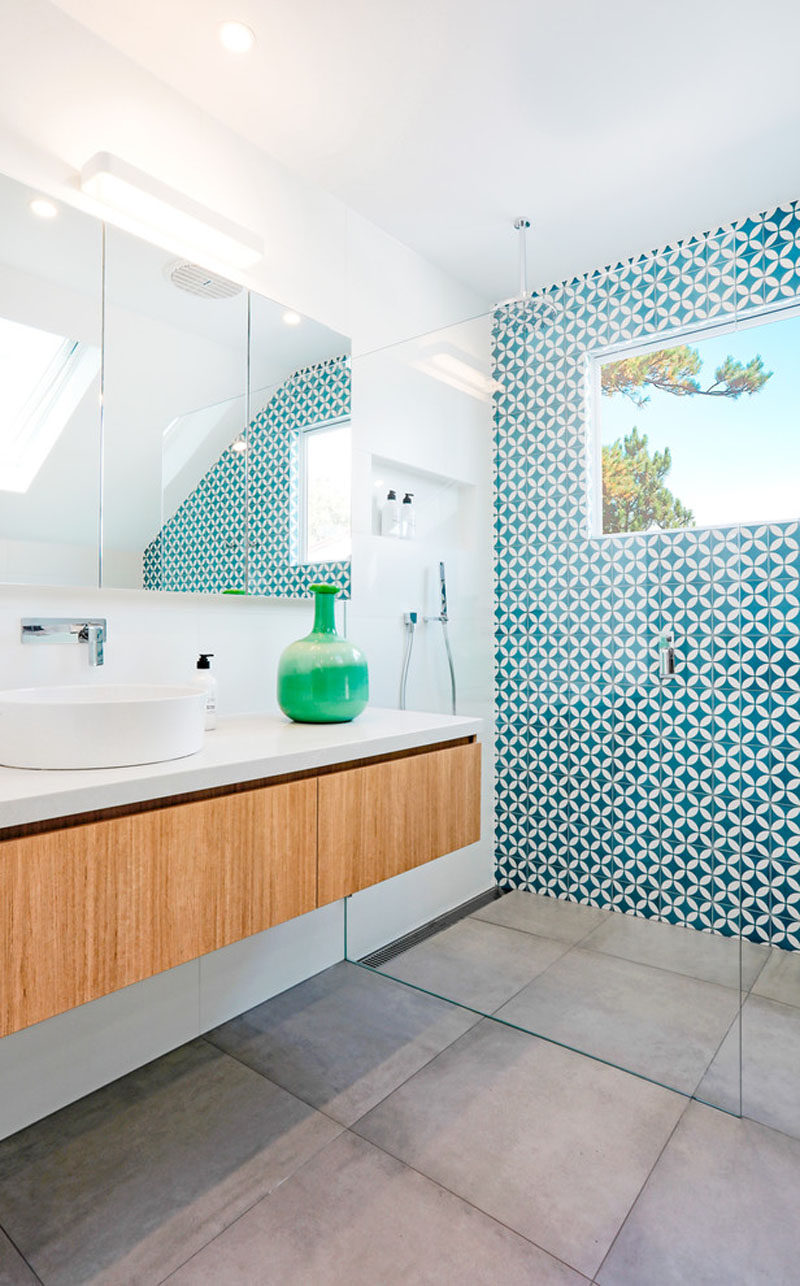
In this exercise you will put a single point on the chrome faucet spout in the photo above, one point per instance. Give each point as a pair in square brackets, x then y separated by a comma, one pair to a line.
[96, 639]
[62, 629]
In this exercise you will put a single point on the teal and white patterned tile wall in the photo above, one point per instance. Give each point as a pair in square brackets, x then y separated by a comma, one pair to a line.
[239, 527]
[678, 800]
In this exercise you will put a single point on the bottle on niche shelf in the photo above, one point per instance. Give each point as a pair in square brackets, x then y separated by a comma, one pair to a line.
[390, 515]
[408, 517]
[207, 680]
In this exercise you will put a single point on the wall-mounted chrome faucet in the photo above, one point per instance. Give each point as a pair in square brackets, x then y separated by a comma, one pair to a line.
[62, 629]
[666, 655]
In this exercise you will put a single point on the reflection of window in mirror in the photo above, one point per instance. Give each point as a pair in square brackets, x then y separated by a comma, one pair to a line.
[325, 467]
[43, 378]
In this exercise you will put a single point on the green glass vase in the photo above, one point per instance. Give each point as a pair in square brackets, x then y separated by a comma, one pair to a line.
[322, 678]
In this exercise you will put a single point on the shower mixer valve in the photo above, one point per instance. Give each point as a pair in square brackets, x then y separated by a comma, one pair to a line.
[666, 655]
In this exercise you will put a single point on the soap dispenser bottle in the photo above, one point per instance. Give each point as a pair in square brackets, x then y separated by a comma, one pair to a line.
[390, 515]
[408, 517]
[207, 680]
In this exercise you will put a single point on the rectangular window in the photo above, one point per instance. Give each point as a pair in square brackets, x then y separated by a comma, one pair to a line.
[326, 467]
[703, 431]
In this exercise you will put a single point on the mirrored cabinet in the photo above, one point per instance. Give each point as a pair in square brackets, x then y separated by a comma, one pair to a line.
[50, 379]
[161, 427]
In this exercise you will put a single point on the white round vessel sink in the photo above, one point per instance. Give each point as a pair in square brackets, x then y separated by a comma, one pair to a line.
[100, 725]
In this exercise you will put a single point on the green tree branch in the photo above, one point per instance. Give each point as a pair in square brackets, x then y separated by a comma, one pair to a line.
[675, 371]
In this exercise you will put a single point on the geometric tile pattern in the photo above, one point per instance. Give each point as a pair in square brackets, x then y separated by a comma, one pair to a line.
[678, 801]
[238, 529]
[311, 396]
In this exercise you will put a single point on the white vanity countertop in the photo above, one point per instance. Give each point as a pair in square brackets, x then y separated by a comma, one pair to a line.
[245, 748]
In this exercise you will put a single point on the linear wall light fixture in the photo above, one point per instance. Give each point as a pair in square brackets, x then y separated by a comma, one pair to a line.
[149, 206]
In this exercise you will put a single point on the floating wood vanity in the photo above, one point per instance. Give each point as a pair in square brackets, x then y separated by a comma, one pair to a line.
[96, 898]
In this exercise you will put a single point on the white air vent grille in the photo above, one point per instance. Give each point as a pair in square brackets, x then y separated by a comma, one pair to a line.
[199, 281]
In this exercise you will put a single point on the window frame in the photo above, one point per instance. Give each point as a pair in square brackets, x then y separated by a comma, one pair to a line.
[304, 434]
[596, 358]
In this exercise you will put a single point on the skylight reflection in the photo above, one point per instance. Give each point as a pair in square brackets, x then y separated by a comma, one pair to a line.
[43, 378]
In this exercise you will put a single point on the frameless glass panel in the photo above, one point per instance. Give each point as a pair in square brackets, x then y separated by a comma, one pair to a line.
[619, 787]
[771, 843]
[50, 275]
[696, 656]
[421, 427]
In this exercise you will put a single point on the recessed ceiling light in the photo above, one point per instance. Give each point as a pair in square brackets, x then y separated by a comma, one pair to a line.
[236, 37]
[43, 208]
[291, 318]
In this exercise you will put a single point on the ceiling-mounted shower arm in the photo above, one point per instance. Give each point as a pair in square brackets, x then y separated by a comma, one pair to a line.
[521, 226]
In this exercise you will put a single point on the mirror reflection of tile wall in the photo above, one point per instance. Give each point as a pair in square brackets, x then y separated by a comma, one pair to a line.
[238, 530]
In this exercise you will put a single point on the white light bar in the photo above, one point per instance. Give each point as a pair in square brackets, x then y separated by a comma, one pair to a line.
[151, 207]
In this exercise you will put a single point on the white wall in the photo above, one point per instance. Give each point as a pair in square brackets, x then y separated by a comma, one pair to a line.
[63, 96]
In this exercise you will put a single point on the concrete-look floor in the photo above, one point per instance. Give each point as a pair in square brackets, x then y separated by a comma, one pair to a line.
[354, 1130]
[649, 997]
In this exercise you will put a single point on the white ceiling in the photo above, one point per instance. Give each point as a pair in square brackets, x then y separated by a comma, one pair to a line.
[614, 126]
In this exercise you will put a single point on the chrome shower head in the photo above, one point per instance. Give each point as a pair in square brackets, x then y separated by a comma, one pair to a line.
[521, 226]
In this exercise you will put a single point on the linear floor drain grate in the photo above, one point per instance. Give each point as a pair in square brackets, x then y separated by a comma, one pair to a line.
[392, 949]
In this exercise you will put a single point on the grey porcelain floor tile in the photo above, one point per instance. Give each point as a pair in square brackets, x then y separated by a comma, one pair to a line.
[343, 1040]
[555, 1145]
[13, 1269]
[355, 1217]
[124, 1185]
[720, 1207]
[780, 978]
[707, 956]
[770, 1066]
[548, 917]
[475, 963]
[649, 1021]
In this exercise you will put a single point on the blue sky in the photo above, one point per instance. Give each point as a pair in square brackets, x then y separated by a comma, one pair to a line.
[732, 461]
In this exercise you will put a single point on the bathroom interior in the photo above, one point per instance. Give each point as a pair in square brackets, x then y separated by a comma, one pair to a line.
[497, 979]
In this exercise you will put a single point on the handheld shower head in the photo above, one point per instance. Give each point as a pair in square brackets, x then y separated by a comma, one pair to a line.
[442, 619]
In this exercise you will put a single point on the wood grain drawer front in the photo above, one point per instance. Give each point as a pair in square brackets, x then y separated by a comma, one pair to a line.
[94, 907]
[379, 820]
